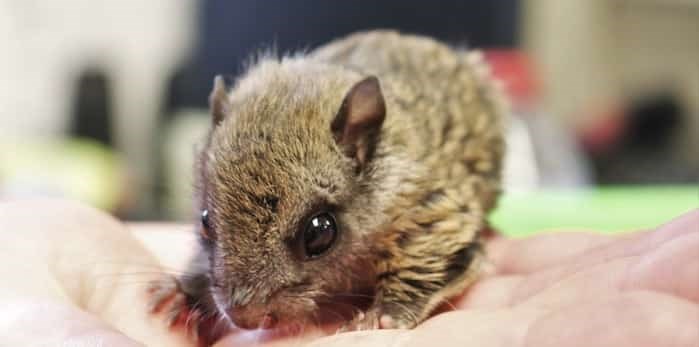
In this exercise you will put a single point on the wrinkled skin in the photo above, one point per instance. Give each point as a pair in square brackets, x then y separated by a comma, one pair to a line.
[572, 289]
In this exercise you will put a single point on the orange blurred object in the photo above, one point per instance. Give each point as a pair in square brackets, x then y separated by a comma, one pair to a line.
[516, 71]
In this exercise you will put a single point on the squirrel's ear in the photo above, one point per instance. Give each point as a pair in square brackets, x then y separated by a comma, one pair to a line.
[218, 100]
[357, 125]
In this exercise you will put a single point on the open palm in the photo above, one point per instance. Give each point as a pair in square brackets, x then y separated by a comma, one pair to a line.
[73, 276]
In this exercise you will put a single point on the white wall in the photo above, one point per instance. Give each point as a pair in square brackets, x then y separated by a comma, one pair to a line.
[46, 44]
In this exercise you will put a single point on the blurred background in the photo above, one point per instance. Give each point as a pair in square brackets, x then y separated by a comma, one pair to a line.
[105, 101]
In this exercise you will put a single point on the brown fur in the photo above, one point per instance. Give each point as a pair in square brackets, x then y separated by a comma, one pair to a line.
[409, 217]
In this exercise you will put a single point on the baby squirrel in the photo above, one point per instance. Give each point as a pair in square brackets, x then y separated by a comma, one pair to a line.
[368, 163]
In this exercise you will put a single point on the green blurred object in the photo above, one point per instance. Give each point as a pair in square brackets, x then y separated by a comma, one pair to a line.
[610, 209]
[78, 169]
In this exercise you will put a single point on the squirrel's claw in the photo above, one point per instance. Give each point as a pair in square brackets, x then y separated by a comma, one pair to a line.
[166, 296]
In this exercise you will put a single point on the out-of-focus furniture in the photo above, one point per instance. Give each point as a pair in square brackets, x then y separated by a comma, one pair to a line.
[594, 54]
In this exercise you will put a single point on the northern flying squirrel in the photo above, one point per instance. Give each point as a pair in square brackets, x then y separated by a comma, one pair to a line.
[368, 163]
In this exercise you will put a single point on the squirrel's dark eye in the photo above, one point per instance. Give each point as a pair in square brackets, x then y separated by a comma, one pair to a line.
[205, 228]
[319, 235]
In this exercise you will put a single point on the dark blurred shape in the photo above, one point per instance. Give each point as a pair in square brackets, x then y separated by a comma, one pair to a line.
[91, 105]
[231, 31]
[646, 148]
[653, 120]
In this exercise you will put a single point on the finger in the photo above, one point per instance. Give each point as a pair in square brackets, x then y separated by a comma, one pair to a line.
[517, 280]
[640, 243]
[522, 256]
[370, 338]
[37, 323]
[172, 244]
[685, 224]
[79, 257]
[490, 293]
[673, 268]
[549, 289]
[638, 319]
[269, 338]
[595, 271]
[483, 328]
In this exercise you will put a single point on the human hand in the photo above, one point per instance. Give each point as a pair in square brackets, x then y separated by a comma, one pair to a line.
[73, 276]
[61, 261]
[572, 289]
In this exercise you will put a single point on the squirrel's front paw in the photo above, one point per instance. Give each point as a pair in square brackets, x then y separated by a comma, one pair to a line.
[166, 296]
[377, 318]
[368, 320]
[185, 304]
[398, 319]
